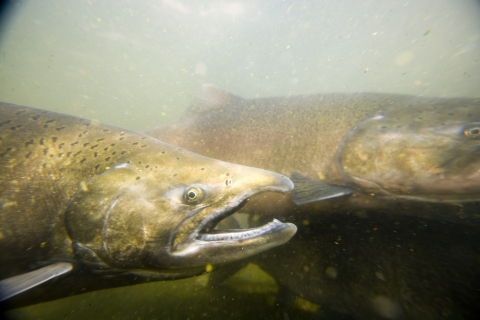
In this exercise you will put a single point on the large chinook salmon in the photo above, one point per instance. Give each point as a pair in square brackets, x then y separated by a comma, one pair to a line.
[108, 207]
[383, 149]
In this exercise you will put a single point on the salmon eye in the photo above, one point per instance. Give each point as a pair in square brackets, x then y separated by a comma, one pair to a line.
[473, 132]
[228, 182]
[193, 195]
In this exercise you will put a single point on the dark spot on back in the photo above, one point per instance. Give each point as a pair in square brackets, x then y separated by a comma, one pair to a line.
[77, 153]
[105, 149]
[36, 117]
[143, 146]
[5, 122]
[7, 151]
[93, 147]
[83, 160]
[54, 139]
[135, 143]
[112, 145]
[95, 154]
[45, 151]
[60, 128]
[137, 178]
[75, 143]
[28, 143]
[123, 152]
[98, 140]
[86, 144]
[49, 121]
[108, 158]
[106, 130]
[96, 167]
[28, 155]
[20, 112]
[61, 145]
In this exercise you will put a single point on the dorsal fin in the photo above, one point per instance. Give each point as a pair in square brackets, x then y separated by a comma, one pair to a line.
[211, 98]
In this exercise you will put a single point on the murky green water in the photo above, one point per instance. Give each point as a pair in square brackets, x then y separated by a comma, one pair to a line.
[138, 64]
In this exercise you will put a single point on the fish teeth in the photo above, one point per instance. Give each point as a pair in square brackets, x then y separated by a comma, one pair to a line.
[241, 235]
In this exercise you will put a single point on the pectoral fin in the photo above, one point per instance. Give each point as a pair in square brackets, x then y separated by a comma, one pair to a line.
[307, 190]
[12, 286]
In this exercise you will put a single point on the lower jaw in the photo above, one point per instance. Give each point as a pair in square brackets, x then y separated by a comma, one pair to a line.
[241, 234]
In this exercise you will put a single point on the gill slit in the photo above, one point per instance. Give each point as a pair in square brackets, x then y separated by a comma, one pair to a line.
[107, 216]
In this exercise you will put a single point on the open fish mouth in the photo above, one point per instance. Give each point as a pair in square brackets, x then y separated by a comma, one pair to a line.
[207, 231]
[198, 238]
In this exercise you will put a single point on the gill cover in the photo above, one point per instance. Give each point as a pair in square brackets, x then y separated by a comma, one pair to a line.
[104, 228]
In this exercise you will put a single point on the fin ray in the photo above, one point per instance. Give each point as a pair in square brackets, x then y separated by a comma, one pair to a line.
[15, 285]
[307, 190]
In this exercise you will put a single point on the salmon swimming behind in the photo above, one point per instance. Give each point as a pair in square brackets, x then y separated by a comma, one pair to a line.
[384, 148]
[112, 207]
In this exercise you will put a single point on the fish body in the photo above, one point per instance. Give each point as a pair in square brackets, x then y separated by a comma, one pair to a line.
[387, 148]
[112, 203]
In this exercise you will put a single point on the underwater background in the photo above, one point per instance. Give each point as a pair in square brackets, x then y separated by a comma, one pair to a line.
[139, 64]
